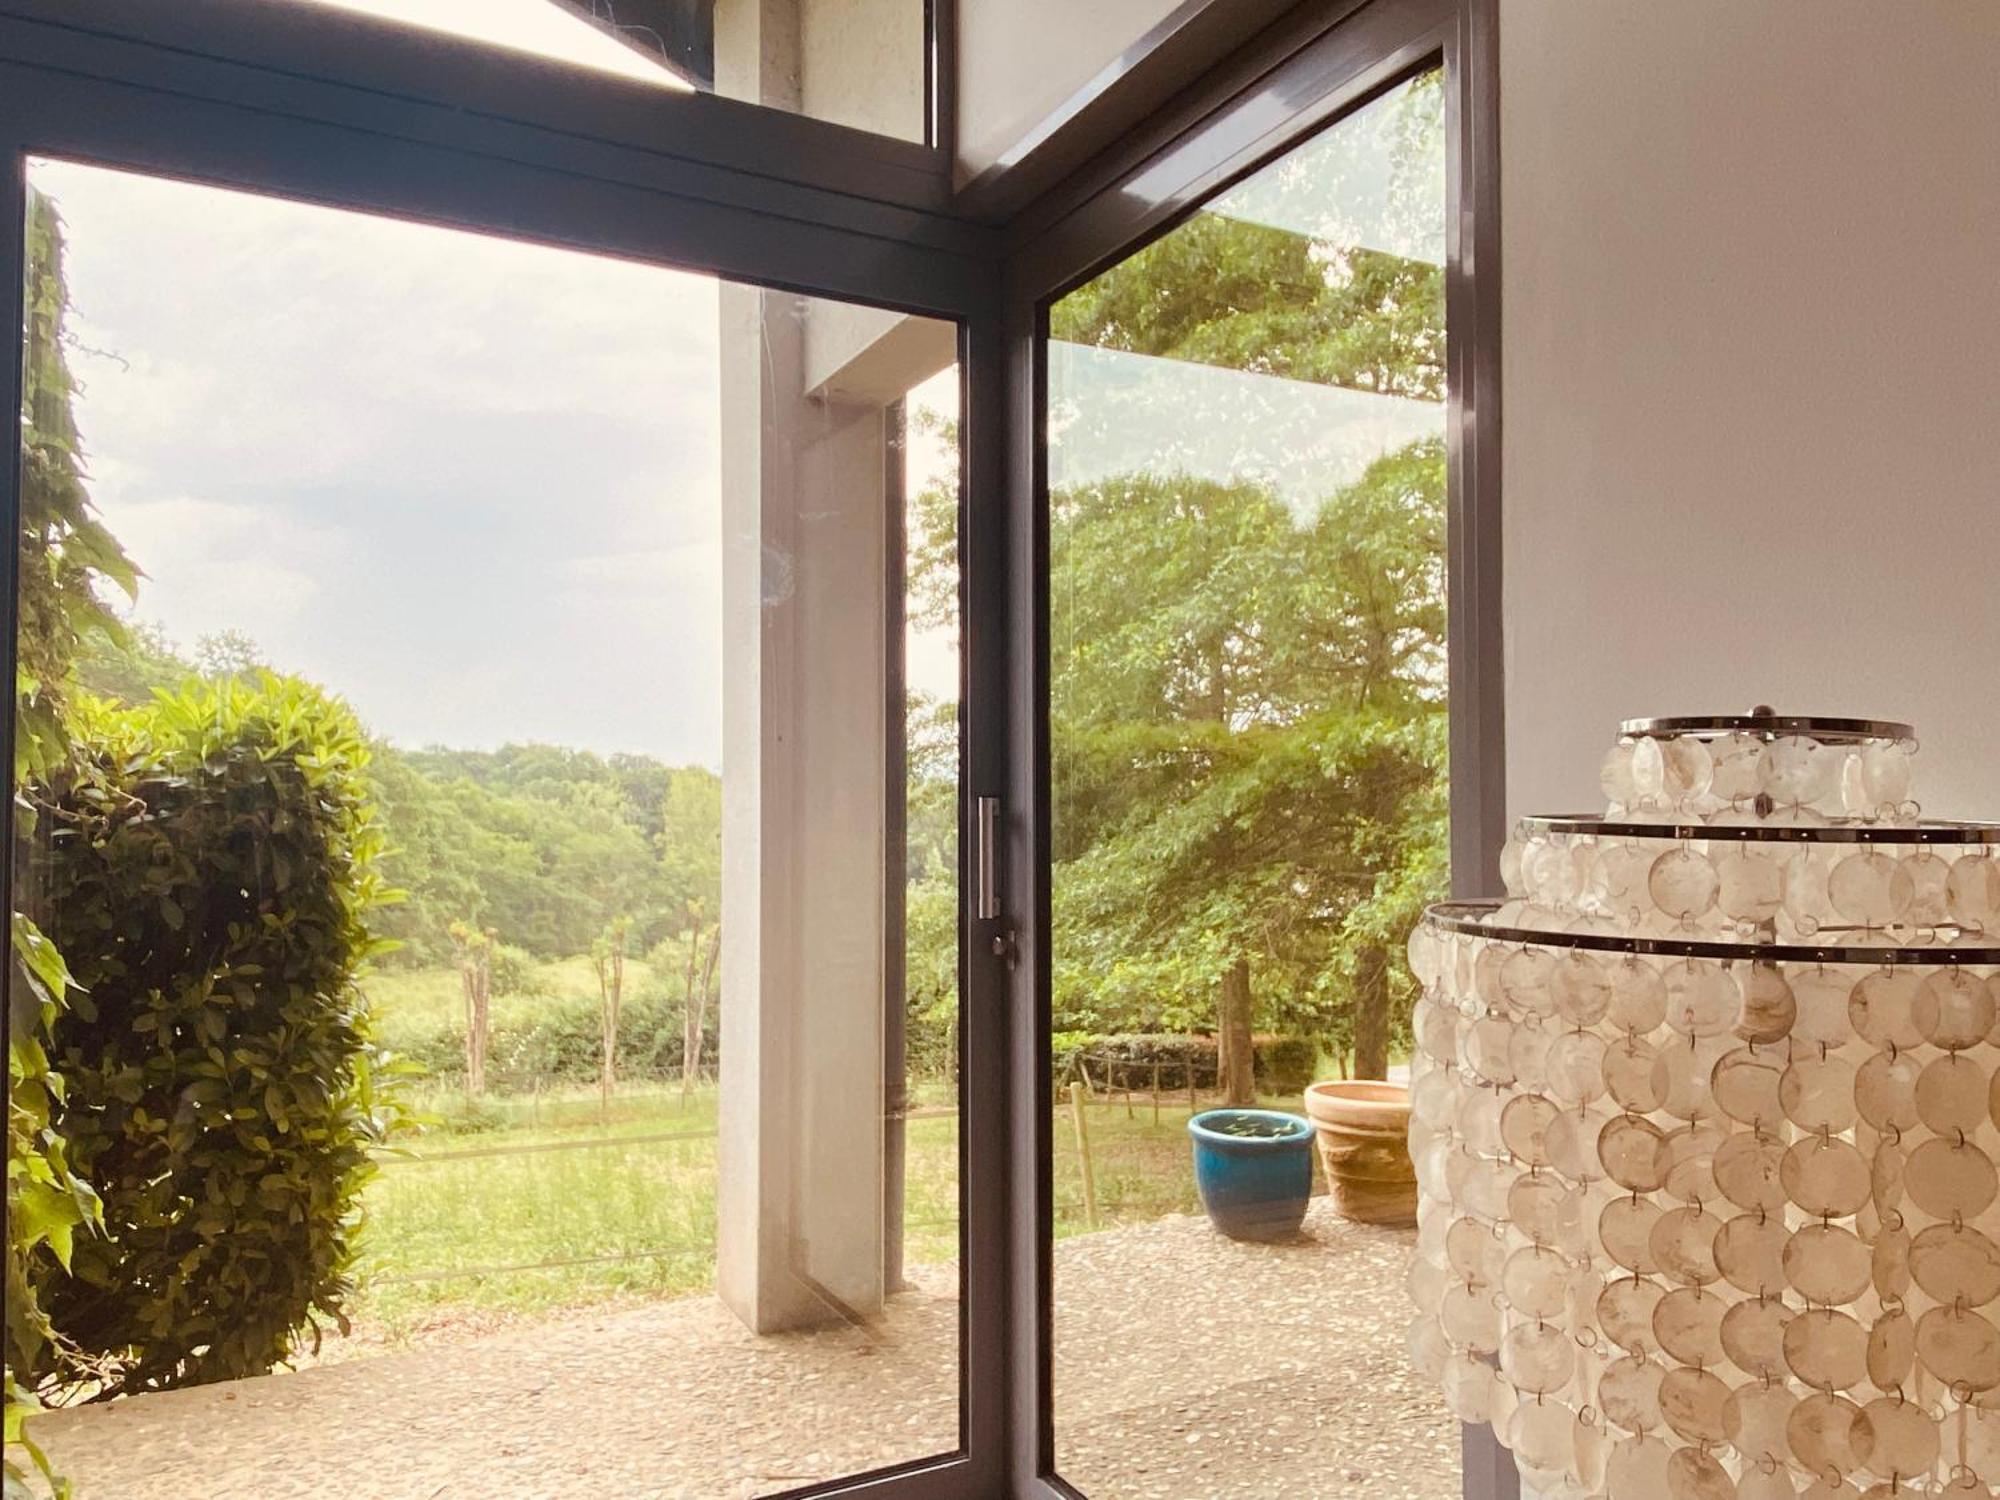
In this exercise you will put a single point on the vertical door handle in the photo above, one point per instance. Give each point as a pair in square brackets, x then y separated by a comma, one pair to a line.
[986, 859]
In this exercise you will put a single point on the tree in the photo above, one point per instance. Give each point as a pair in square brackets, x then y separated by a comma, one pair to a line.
[607, 959]
[475, 977]
[702, 950]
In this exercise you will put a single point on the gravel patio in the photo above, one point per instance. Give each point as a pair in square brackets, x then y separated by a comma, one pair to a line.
[1189, 1367]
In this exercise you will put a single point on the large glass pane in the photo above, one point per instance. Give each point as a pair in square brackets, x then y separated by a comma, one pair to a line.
[1247, 486]
[851, 62]
[500, 832]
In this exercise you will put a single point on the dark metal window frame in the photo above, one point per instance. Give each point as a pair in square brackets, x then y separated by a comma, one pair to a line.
[329, 108]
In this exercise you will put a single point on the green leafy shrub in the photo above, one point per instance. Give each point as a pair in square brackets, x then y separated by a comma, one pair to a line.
[562, 1044]
[207, 869]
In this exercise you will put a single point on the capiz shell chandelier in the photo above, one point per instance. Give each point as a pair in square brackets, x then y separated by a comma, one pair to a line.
[1704, 1118]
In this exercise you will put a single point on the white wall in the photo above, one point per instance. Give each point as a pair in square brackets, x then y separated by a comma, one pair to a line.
[1751, 290]
[1021, 59]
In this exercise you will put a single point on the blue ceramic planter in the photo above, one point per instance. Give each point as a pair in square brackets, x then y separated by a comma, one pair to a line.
[1254, 1186]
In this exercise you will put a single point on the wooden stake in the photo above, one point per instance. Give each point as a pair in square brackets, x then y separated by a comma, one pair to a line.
[1083, 1155]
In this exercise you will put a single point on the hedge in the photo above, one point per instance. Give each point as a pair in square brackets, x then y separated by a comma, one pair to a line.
[562, 1045]
[207, 869]
[1283, 1064]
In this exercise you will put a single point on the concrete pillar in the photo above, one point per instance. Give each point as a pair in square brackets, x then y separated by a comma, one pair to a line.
[806, 390]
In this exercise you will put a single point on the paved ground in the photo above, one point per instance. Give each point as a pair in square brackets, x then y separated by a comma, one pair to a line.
[1189, 1367]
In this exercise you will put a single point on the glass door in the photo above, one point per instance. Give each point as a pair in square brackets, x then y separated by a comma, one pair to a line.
[486, 890]
[1247, 484]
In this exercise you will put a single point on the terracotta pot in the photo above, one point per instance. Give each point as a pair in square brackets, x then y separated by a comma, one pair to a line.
[1364, 1144]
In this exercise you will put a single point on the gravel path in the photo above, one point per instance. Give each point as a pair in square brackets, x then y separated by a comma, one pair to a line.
[1189, 1367]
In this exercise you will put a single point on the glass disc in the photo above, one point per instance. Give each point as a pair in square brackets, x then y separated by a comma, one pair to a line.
[1538, 1203]
[1540, 1433]
[1474, 1252]
[1576, 1067]
[1885, 1090]
[1827, 1350]
[1626, 1230]
[1689, 1069]
[1948, 1178]
[1952, 1094]
[1638, 995]
[1889, 1263]
[1885, 1176]
[1528, 1055]
[1733, 761]
[1755, 1419]
[1766, 1010]
[1649, 770]
[1753, 1336]
[1692, 1402]
[1749, 887]
[1537, 1358]
[1683, 884]
[1993, 1097]
[1870, 887]
[1635, 1073]
[1625, 1313]
[1619, 874]
[1691, 1163]
[1685, 767]
[1896, 1438]
[1806, 901]
[1637, 1470]
[1479, 1120]
[1829, 1487]
[1614, 774]
[1683, 1246]
[1953, 1009]
[1426, 1281]
[1633, 1151]
[1593, 1446]
[1524, 981]
[1750, 1252]
[1749, 1170]
[1489, 1050]
[1688, 1325]
[1694, 1474]
[1885, 773]
[1822, 994]
[1827, 1264]
[1929, 905]
[1628, 1393]
[1882, 1008]
[1486, 962]
[1797, 769]
[1745, 1085]
[1468, 1385]
[1818, 1093]
[1701, 998]
[1959, 1347]
[1483, 1186]
[1972, 891]
[1470, 1318]
[1573, 1144]
[1821, 1434]
[1951, 1262]
[1524, 1128]
[1892, 1350]
[1825, 1176]
[1536, 1282]
[1581, 988]
[1428, 1348]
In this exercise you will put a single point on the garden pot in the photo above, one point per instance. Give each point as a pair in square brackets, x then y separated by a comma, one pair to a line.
[1253, 1168]
[1364, 1143]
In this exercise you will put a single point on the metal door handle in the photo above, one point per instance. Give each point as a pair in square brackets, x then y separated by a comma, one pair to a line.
[986, 859]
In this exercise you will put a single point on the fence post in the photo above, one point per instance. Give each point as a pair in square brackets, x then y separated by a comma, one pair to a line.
[1083, 1155]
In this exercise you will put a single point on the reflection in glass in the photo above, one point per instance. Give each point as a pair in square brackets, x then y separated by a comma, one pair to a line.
[1247, 624]
[487, 880]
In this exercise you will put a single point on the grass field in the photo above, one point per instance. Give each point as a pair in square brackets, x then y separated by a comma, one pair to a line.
[529, 1202]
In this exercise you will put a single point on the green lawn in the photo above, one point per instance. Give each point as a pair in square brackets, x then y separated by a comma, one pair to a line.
[621, 1204]
[617, 1202]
